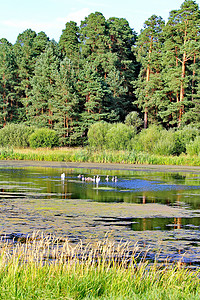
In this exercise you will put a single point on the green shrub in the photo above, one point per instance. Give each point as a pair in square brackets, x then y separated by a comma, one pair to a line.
[133, 119]
[193, 148]
[43, 137]
[168, 144]
[184, 136]
[97, 134]
[15, 135]
[119, 137]
[148, 138]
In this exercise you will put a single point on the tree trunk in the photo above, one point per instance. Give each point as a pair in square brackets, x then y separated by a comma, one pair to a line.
[182, 89]
[193, 79]
[146, 109]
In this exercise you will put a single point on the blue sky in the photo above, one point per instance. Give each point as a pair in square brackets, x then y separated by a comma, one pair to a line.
[50, 16]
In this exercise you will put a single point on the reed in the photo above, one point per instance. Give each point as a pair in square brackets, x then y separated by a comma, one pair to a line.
[89, 155]
[43, 267]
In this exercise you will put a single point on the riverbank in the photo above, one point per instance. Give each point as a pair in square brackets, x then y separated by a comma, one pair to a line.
[80, 155]
[47, 268]
[100, 166]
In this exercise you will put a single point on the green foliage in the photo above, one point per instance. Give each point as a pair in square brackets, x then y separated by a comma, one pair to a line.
[156, 140]
[43, 137]
[133, 119]
[101, 70]
[167, 144]
[193, 148]
[69, 43]
[97, 134]
[119, 136]
[186, 135]
[96, 156]
[74, 272]
[148, 138]
[15, 135]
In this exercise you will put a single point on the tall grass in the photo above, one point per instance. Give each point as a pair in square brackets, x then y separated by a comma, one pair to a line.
[48, 268]
[97, 156]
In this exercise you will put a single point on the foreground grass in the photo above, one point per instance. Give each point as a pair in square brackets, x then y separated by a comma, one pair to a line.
[48, 269]
[89, 155]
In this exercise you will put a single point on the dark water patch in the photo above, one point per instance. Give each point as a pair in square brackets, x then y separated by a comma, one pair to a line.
[155, 223]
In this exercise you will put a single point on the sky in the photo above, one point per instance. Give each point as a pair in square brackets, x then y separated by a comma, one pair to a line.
[51, 16]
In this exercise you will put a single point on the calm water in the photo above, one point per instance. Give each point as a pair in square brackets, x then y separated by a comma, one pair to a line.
[158, 210]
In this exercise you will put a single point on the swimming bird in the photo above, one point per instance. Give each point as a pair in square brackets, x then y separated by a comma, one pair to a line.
[62, 176]
[107, 178]
[97, 179]
[114, 178]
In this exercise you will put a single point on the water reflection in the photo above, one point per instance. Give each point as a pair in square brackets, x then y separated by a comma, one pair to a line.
[180, 190]
[140, 206]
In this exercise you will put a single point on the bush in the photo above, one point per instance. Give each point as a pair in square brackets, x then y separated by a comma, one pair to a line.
[193, 148]
[15, 135]
[43, 137]
[148, 138]
[133, 119]
[119, 137]
[97, 134]
[168, 144]
[184, 136]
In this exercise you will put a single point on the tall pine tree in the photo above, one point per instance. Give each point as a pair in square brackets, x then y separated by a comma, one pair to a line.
[181, 56]
[8, 101]
[149, 54]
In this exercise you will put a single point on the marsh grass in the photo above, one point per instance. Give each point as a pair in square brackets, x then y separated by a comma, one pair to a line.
[48, 268]
[96, 156]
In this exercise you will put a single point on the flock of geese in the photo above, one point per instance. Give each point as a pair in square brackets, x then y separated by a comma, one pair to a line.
[95, 179]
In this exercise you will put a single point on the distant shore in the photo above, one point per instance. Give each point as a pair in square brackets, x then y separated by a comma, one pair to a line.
[103, 166]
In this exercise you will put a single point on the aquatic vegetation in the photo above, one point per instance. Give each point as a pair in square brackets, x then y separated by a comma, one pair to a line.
[97, 156]
[43, 267]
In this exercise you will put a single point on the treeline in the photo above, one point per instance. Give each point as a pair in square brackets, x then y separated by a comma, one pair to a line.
[103, 70]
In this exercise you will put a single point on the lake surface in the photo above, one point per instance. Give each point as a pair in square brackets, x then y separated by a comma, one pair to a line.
[156, 207]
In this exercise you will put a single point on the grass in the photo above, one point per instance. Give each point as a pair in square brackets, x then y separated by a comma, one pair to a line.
[89, 155]
[48, 268]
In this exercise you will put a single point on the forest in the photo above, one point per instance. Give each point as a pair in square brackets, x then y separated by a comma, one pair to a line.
[103, 71]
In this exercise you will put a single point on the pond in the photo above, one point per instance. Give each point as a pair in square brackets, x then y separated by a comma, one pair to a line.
[156, 207]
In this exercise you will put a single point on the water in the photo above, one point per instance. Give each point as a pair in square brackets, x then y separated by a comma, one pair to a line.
[158, 209]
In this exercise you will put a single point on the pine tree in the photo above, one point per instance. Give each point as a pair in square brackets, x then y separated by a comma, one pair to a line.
[181, 55]
[40, 43]
[93, 36]
[149, 54]
[27, 48]
[8, 104]
[39, 109]
[97, 61]
[65, 104]
[122, 42]
[95, 96]
[69, 41]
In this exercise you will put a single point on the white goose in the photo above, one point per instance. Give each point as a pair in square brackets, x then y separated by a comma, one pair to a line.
[62, 176]
[97, 179]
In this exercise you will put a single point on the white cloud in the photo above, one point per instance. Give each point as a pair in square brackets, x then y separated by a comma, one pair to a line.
[53, 28]
[76, 16]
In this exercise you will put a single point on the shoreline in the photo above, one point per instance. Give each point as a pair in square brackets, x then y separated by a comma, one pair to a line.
[103, 166]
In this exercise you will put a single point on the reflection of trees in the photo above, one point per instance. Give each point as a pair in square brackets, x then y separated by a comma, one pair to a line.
[48, 180]
[143, 224]
[178, 199]
[177, 223]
